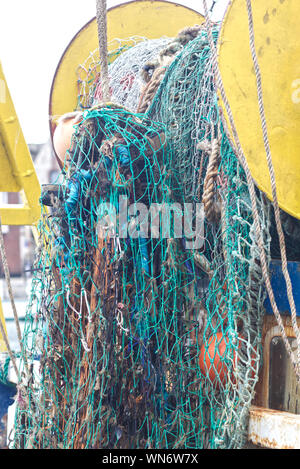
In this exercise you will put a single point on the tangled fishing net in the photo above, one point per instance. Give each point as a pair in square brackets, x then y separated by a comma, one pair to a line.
[139, 341]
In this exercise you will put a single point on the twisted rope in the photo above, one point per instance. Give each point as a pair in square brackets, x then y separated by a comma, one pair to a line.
[166, 57]
[208, 198]
[272, 178]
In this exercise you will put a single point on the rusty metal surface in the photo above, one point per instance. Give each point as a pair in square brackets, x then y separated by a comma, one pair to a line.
[274, 429]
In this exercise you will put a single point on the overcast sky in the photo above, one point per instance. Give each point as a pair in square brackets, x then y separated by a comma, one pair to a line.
[33, 36]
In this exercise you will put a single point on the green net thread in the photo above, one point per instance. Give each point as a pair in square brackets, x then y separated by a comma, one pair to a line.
[117, 326]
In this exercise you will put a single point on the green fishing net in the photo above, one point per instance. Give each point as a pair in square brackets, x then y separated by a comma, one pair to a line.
[136, 336]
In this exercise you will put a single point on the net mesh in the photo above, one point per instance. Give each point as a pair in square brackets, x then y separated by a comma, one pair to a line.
[139, 341]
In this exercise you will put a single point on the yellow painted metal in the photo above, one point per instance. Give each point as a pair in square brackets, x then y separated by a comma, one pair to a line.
[17, 172]
[276, 28]
[2, 343]
[151, 19]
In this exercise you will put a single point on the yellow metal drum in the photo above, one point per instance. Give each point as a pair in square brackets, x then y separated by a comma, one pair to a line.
[276, 29]
[150, 19]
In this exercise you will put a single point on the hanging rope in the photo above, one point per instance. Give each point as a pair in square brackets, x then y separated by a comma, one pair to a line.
[12, 301]
[272, 179]
[101, 14]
